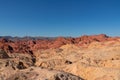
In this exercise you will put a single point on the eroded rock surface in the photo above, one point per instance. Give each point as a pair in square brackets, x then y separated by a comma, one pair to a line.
[85, 58]
[26, 45]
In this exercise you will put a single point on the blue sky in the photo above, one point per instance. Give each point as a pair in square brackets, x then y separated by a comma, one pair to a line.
[59, 17]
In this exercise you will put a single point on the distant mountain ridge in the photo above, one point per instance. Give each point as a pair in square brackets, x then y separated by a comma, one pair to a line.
[26, 38]
[41, 37]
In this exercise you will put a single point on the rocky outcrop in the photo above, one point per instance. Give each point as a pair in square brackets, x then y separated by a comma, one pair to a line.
[36, 73]
[66, 76]
[3, 54]
[92, 63]
[94, 57]
[29, 45]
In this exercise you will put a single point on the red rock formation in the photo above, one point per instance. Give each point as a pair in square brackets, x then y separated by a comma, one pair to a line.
[29, 46]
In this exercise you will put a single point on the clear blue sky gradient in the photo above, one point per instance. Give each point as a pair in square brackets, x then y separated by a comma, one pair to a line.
[59, 17]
